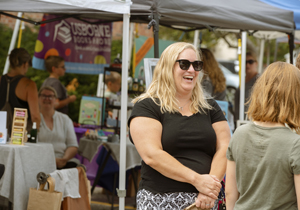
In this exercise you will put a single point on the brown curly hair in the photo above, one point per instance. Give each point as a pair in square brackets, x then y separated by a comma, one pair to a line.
[212, 70]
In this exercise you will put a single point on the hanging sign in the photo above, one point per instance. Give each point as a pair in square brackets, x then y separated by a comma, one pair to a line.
[86, 47]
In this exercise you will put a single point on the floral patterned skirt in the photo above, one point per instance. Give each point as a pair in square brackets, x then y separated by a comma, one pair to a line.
[147, 200]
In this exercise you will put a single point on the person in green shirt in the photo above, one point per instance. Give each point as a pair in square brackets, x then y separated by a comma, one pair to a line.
[263, 156]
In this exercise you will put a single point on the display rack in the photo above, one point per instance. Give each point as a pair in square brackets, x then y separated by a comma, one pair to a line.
[115, 105]
[18, 131]
[108, 105]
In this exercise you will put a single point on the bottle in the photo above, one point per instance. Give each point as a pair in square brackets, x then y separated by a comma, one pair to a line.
[130, 82]
[141, 86]
[33, 133]
[28, 137]
[135, 85]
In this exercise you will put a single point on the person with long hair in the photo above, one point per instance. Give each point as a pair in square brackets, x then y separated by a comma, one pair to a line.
[181, 136]
[213, 82]
[298, 61]
[23, 92]
[263, 167]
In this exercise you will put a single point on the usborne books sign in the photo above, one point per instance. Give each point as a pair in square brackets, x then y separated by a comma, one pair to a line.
[85, 47]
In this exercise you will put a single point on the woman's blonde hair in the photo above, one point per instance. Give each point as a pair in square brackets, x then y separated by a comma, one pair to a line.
[276, 96]
[212, 69]
[162, 89]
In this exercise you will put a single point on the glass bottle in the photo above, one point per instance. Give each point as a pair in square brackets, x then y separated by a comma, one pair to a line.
[135, 85]
[141, 86]
[33, 133]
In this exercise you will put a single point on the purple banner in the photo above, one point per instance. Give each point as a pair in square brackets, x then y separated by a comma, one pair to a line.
[85, 47]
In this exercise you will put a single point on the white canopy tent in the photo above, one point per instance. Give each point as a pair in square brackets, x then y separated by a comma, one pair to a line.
[196, 13]
[119, 7]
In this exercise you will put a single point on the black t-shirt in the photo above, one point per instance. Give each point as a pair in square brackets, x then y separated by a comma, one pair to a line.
[191, 140]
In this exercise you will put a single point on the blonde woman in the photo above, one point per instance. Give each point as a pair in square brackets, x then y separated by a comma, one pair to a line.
[181, 137]
[213, 80]
[263, 167]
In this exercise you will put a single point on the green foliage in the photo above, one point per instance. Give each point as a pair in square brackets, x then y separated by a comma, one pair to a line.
[209, 39]
[87, 83]
[116, 48]
[5, 34]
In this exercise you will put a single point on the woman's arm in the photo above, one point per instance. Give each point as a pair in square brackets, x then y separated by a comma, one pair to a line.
[218, 165]
[146, 134]
[297, 187]
[70, 152]
[32, 100]
[231, 191]
[65, 102]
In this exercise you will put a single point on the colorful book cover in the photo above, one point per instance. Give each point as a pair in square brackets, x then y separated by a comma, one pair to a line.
[91, 111]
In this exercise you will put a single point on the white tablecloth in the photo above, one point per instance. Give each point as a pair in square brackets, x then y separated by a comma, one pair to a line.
[89, 148]
[22, 164]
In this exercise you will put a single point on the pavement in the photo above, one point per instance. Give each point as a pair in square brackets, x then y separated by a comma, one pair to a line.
[101, 200]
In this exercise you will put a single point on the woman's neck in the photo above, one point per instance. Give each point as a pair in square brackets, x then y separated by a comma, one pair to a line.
[15, 72]
[47, 114]
[268, 124]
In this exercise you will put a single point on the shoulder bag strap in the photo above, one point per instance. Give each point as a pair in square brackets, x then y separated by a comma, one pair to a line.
[8, 84]
[7, 89]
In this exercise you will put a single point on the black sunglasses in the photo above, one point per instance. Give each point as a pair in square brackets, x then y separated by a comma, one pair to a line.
[250, 62]
[185, 64]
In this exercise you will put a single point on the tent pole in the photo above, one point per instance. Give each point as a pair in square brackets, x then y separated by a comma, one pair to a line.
[243, 70]
[268, 53]
[12, 42]
[124, 99]
[131, 38]
[196, 38]
[261, 55]
[156, 39]
[275, 51]
[291, 45]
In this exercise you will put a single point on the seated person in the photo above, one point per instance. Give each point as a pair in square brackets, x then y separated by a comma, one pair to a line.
[57, 128]
[113, 84]
[56, 66]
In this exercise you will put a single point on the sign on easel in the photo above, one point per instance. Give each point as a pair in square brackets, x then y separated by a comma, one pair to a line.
[3, 130]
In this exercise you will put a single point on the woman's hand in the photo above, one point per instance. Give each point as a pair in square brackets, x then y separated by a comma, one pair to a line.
[208, 185]
[60, 162]
[204, 201]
